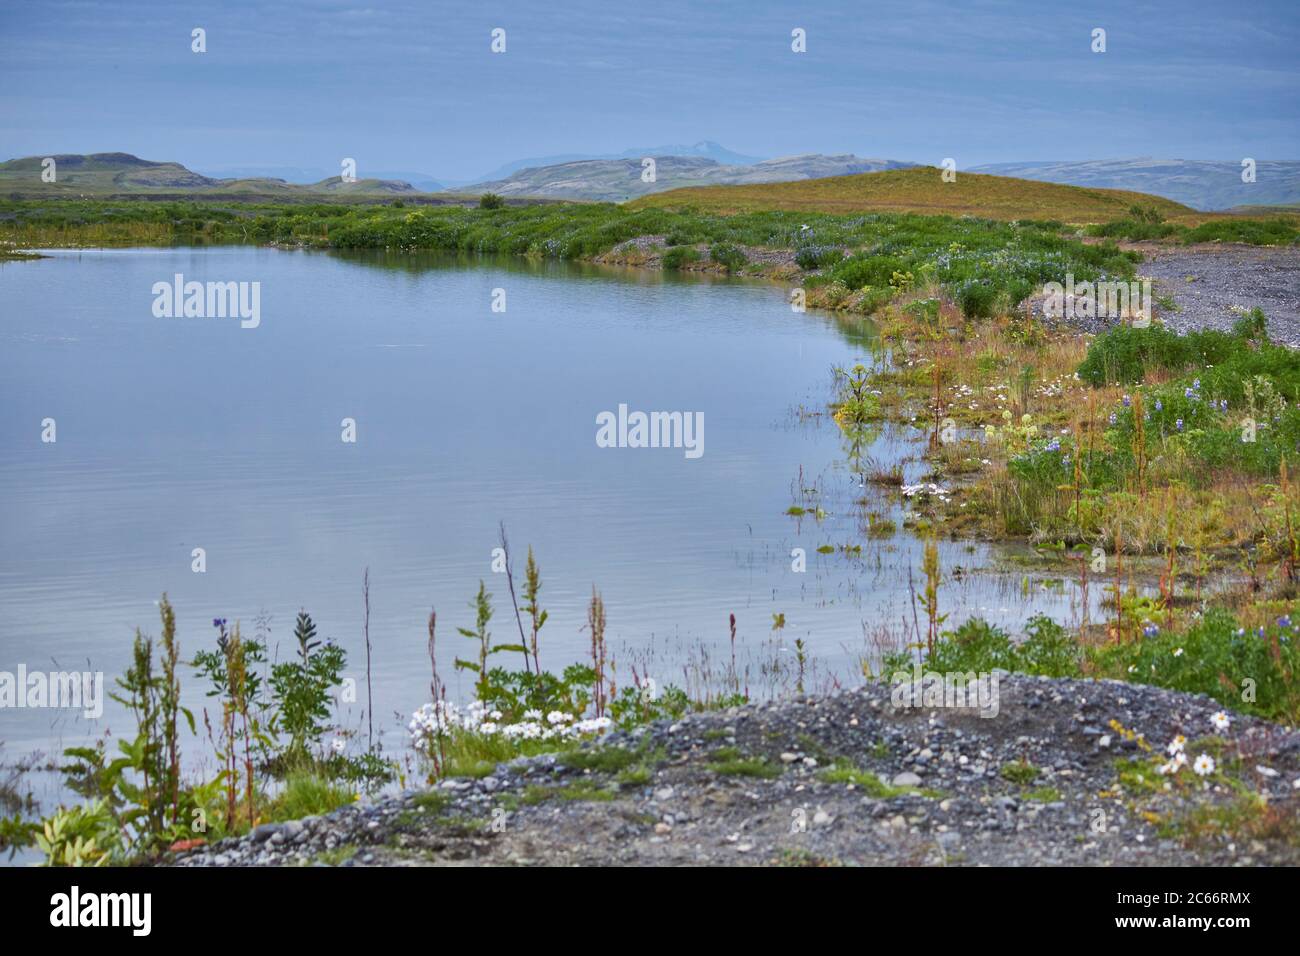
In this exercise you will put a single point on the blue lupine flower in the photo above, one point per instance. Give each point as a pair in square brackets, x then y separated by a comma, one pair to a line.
[1054, 445]
[1114, 419]
[1189, 393]
[1179, 424]
[1159, 405]
[1223, 404]
[1150, 630]
[1284, 621]
[1127, 401]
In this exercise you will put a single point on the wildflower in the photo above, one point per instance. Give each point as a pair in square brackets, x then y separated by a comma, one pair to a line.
[1114, 419]
[1054, 445]
[1179, 424]
[1177, 744]
[1180, 759]
[1178, 652]
[1204, 765]
[1160, 406]
[1221, 721]
[1150, 629]
[339, 745]
[1284, 621]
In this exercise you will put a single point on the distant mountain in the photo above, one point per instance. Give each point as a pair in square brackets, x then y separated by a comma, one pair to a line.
[308, 175]
[1201, 184]
[704, 149]
[615, 180]
[121, 174]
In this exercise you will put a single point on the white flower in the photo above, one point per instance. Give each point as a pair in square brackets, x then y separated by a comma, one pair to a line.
[1204, 765]
[1220, 721]
[1176, 745]
[1178, 652]
[339, 745]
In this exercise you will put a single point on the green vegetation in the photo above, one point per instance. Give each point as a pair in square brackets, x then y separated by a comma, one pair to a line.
[731, 762]
[137, 802]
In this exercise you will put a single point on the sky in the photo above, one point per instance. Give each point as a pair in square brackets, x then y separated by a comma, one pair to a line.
[414, 85]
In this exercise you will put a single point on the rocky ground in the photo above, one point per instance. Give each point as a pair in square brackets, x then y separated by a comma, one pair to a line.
[1061, 775]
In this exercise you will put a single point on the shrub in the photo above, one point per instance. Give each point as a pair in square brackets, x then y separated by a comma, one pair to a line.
[727, 254]
[678, 256]
[490, 201]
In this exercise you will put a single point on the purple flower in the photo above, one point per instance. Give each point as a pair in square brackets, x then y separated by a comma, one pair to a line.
[1179, 424]
[1284, 621]
[1114, 419]
[1054, 445]
[1159, 405]
[1223, 404]
[1189, 393]
[1150, 630]
[1127, 401]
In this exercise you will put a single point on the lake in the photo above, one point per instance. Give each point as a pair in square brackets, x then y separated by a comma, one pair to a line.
[180, 433]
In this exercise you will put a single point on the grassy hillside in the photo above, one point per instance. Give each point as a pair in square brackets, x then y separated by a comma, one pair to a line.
[922, 190]
[123, 176]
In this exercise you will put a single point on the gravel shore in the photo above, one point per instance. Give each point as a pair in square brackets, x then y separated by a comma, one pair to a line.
[1213, 284]
[1037, 784]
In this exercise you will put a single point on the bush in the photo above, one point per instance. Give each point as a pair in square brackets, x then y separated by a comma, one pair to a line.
[678, 256]
[490, 201]
[728, 254]
[811, 257]
[977, 299]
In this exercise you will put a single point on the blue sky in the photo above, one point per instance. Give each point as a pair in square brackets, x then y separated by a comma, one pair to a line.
[413, 85]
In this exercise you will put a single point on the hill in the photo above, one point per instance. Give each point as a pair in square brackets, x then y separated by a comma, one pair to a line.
[617, 180]
[121, 175]
[922, 190]
[1201, 184]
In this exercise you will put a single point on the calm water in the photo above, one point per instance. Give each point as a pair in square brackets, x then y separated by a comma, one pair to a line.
[174, 434]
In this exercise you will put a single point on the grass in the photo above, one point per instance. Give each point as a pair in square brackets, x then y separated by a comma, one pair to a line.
[578, 791]
[846, 772]
[1022, 772]
[307, 795]
[919, 190]
[731, 762]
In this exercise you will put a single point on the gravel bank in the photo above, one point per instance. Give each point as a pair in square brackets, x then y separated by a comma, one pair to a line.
[1213, 284]
[1038, 784]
